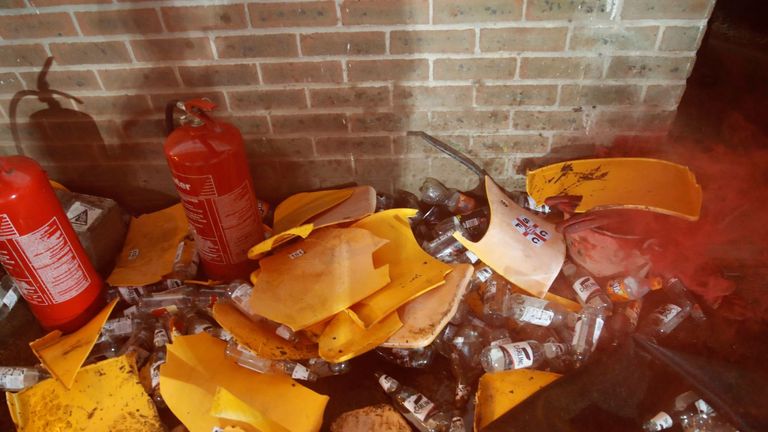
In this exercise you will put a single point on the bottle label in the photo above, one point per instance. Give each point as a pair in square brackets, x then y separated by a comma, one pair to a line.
[419, 405]
[118, 327]
[300, 372]
[617, 291]
[131, 311]
[42, 263]
[285, 332]
[11, 298]
[154, 373]
[160, 338]
[662, 420]
[82, 215]
[584, 287]
[129, 294]
[471, 256]
[387, 383]
[668, 311]
[12, 378]
[242, 294]
[484, 273]
[537, 316]
[703, 407]
[520, 353]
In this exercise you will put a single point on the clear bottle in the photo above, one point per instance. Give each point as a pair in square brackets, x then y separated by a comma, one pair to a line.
[102, 350]
[247, 359]
[586, 334]
[409, 358]
[140, 343]
[19, 378]
[193, 322]
[446, 249]
[495, 292]
[691, 413]
[323, 369]
[519, 355]
[588, 291]
[220, 333]
[9, 296]
[680, 294]
[240, 295]
[532, 310]
[475, 223]
[415, 407]
[117, 328]
[631, 287]
[664, 320]
[624, 320]
[433, 192]
[457, 424]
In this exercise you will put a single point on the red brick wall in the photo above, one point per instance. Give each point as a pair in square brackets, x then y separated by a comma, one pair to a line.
[324, 90]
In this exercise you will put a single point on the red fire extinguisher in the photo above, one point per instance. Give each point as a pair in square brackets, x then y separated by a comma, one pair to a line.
[209, 167]
[40, 250]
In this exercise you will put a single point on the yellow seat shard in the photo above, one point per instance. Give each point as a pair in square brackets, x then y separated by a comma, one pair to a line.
[522, 247]
[345, 338]
[299, 208]
[228, 406]
[150, 247]
[196, 367]
[634, 183]
[318, 277]
[105, 396]
[412, 271]
[494, 396]
[258, 336]
[425, 316]
[276, 240]
[360, 204]
[63, 356]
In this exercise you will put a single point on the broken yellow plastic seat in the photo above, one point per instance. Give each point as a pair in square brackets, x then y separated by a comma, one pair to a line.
[299, 208]
[425, 316]
[197, 367]
[318, 277]
[345, 338]
[635, 183]
[105, 396]
[63, 356]
[411, 270]
[276, 240]
[499, 392]
[259, 337]
[227, 406]
[522, 247]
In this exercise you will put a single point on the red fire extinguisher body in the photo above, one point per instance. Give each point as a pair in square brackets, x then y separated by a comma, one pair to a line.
[210, 170]
[40, 250]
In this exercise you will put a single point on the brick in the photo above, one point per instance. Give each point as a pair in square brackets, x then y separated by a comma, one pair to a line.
[196, 18]
[432, 41]
[123, 105]
[390, 166]
[318, 168]
[350, 97]
[132, 21]
[664, 95]
[600, 95]
[641, 121]
[12, 4]
[571, 10]
[283, 73]
[470, 11]
[83, 53]
[469, 120]
[414, 145]
[478, 68]
[172, 49]
[143, 129]
[10, 83]
[140, 79]
[680, 38]
[613, 38]
[302, 14]
[548, 120]
[43, 3]
[516, 95]
[41, 25]
[159, 101]
[219, 75]
[361, 146]
[65, 80]
[263, 147]
[455, 175]
[309, 123]
[387, 70]
[508, 144]
[561, 67]
[388, 121]
[278, 45]
[523, 39]
[349, 44]
[448, 96]
[267, 99]
[384, 12]
[250, 125]
[22, 55]
[650, 67]
[664, 9]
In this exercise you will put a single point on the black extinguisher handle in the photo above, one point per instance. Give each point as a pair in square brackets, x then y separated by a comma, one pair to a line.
[169, 108]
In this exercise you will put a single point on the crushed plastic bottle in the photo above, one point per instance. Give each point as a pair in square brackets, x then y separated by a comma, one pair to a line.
[631, 287]
[9, 296]
[323, 369]
[434, 192]
[677, 290]
[520, 355]
[664, 320]
[692, 414]
[586, 334]
[19, 378]
[117, 328]
[409, 358]
[624, 320]
[415, 407]
[247, 359]
[587, 291]
[140, 343]
[532, 310]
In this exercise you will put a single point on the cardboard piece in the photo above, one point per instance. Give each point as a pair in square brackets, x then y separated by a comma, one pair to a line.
[259, 337]
[425, 316]
[412, 271]
[318, 277]
[197, 367]
[494, 396]
[522, 247]
[105, 396]
[631, 183]
[346, 337]
[150, 247]
[299, 208]
[379, 418]
[63, 356]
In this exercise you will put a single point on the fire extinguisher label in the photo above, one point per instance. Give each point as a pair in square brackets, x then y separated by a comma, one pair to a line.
[223, 223]
[45, 267]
